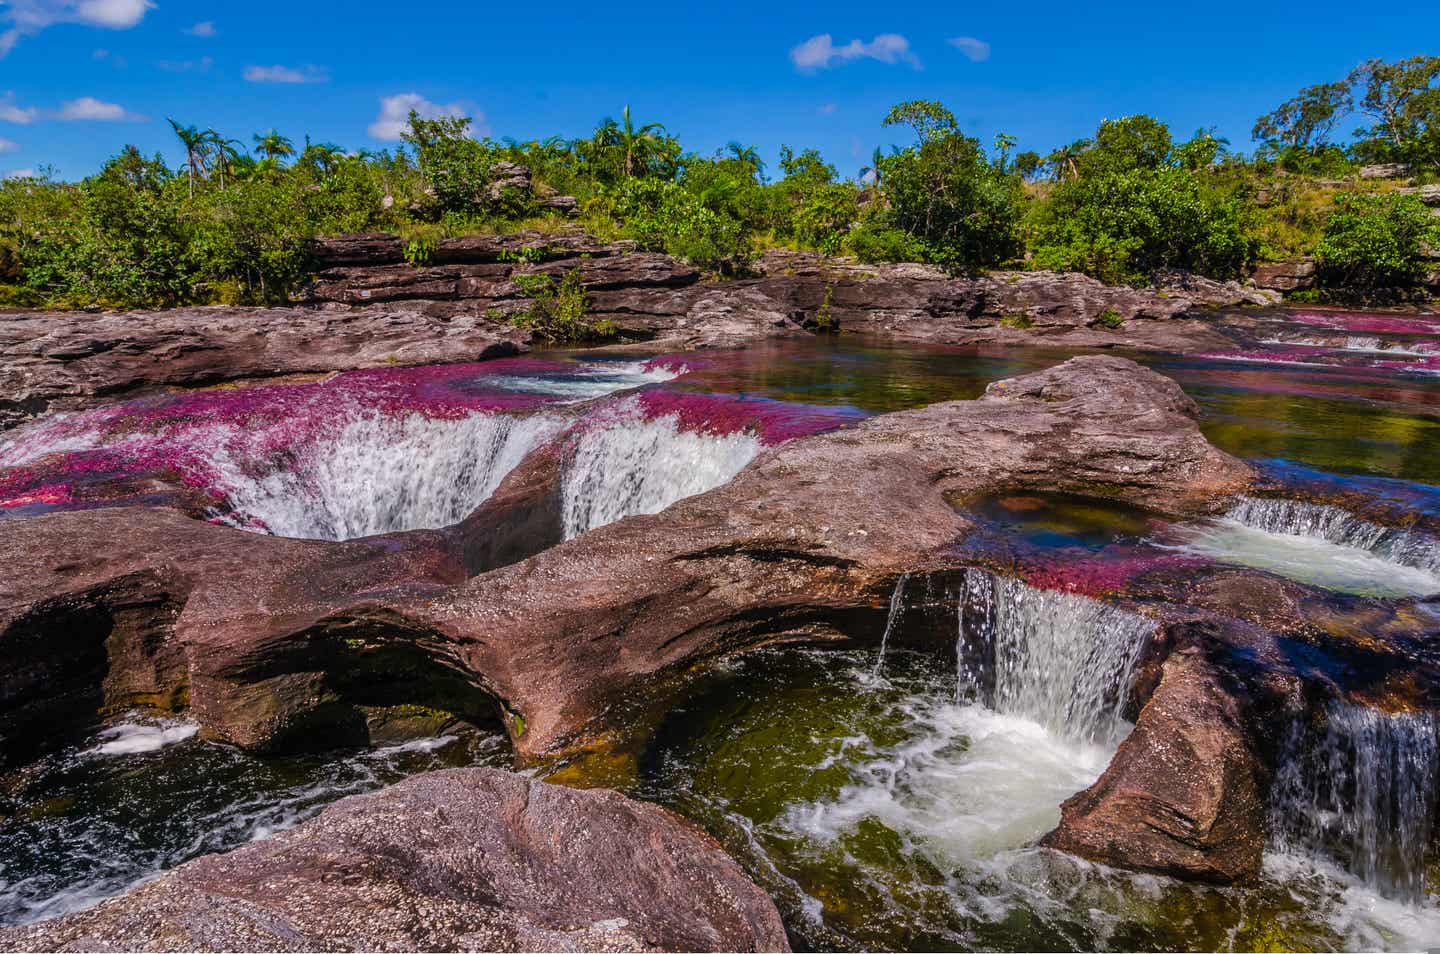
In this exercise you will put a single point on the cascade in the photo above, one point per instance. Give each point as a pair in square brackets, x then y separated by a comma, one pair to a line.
[1362, 791]
[897, 603]
[631, 464]
[1297, 518]
[1061, 660]
[383, 474]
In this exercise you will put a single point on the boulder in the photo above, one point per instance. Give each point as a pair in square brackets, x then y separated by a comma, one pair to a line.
[1385, 170]
[1185, 794]
[1296, 275]
[459, 860]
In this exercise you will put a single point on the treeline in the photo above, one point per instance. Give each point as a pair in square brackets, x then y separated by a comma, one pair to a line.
[233, 223]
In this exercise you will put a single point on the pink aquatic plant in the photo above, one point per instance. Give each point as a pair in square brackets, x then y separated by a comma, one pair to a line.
[1105, 573]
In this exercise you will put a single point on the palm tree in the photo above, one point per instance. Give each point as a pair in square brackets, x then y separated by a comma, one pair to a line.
[748, 155]
[196, 145]
[225, 153]
[273, 146]
[639, 145]
[1064, 162]
[1004, 142]
[873, 170]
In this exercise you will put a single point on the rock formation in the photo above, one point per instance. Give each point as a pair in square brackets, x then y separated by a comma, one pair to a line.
[460, 860]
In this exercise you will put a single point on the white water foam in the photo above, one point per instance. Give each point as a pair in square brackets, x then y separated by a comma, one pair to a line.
[1059, 659]
[138, 735]
[382, 474]
[1364, 793]
[1319, 544]
[631, 465]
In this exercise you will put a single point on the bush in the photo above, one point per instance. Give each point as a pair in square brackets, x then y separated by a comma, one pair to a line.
[1374, 241]
[558, 310]
[663, 216]
[1137, 204]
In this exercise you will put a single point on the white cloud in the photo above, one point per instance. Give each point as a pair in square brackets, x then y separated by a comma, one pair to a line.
[201, 65]
[28, 17]
[88, 108]
[286, 74]
[9, 145]
[11, 113]
[827, 109]
[819, 52]
[394, 116]
[978, 51]
[205, 28]
[20, 174]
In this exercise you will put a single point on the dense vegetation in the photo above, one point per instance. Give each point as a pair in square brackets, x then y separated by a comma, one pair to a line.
[233, 223]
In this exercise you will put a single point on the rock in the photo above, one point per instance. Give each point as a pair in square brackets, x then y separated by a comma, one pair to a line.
[1430, 194]
[566, 205]
[508, 179]
[53, 361]
[567, 643]
[1296, 275]
[358, 249]
[1185, 794]
[1385, 170]
[467, 860]
[1176, 282]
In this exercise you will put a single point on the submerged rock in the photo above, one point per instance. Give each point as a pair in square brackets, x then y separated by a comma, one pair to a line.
[465, 859]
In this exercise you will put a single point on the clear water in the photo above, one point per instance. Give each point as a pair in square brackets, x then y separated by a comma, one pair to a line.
[146, 794]
[882, 814]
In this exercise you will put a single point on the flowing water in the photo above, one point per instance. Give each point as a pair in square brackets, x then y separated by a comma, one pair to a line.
[146, 794]
[885, 801]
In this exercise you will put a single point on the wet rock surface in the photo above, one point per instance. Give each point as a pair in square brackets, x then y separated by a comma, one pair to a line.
[466, 859]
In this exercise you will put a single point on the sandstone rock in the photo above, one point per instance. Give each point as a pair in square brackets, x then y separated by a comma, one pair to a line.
[52, 361]
[1385, 170]
[467, 859]
[1185, 793]
[508, 178]
[1289, 276]
[803, 545]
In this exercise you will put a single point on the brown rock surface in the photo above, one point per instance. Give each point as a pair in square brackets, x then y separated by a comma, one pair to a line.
[467, 860]
[1185, 793]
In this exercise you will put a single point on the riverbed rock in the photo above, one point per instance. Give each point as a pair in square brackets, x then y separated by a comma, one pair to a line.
[1296, 275]
[1185, 793]
[56, 361]
[459, 860]
[285, 641]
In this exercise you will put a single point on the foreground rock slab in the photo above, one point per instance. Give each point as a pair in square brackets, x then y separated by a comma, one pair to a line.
[467, 860]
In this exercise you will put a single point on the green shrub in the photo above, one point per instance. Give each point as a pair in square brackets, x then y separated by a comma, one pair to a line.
[663, 216]
[1374, 241]
[558, 310]
[1108, 318]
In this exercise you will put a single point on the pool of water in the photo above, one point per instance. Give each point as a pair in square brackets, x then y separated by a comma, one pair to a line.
[883, 814]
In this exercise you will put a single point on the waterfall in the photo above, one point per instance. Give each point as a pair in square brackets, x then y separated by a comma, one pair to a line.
[1410, 548]
[897, 603]
[1362, 791]
[382, 474]
[631, 464]
[1058, 659]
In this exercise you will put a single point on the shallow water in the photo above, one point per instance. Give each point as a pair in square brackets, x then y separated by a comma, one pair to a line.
[146, 794]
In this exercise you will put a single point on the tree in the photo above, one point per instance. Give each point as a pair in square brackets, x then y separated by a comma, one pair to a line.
[1004, 142]
[1306, 121]
[873, 170]
[747, 155]
[1064, 162]
[273, 146]
[959, 209]
[196, 145]
[225, 151]
[1374, 241]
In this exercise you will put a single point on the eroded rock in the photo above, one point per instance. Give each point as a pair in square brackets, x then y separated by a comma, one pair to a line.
[467, 860]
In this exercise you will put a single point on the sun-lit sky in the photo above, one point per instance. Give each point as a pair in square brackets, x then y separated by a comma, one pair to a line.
[81, 78]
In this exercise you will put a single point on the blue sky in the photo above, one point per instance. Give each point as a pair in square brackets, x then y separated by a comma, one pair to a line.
[80, 78]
